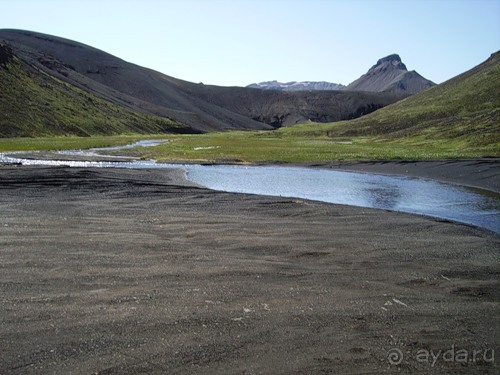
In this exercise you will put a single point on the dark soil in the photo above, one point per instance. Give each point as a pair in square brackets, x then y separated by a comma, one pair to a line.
[131, 271]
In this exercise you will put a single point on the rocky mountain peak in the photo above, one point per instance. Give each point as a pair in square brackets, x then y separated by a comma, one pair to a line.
[389, 74]
[393, 61]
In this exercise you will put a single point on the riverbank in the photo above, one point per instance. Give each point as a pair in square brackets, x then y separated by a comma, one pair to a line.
[481, 173]
[125, 271]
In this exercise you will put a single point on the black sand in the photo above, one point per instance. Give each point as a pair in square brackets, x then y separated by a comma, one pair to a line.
[131, 271]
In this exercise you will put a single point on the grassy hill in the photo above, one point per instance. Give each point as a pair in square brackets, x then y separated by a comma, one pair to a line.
[464, 110]
[33, 103]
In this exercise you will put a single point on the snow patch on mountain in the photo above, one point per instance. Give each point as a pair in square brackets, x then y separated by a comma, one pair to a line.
[296, 86]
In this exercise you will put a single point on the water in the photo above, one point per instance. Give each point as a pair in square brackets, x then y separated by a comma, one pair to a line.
[98, 151]
[413, 195]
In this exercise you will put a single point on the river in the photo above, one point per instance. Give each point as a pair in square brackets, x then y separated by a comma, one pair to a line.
[396, 193]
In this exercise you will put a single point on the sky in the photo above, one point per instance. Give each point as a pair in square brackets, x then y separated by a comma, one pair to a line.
[239, 42]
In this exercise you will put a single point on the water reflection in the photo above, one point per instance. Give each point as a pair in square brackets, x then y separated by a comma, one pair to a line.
[380, 197]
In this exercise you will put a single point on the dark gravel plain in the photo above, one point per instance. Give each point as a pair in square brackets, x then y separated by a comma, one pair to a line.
[116, 271]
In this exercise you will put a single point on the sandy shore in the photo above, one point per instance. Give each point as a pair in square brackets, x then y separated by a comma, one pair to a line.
[136, 271]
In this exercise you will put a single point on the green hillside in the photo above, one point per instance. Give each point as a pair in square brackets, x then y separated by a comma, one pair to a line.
[464, 111]
[33, 103]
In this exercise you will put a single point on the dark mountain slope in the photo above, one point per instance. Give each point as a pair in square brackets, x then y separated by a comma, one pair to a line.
[33, 103]
[118, 81]
[389, 74]
[279, 108]
[200, 107]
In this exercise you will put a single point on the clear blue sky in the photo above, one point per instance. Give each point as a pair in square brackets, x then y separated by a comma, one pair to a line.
[238, 42]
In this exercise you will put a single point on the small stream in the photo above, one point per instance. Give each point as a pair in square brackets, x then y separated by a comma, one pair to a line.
[396, 193]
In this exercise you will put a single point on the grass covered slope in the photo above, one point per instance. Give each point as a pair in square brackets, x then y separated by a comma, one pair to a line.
[464, 110]
[34, 104]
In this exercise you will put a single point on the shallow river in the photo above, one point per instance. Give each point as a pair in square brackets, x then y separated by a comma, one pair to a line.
[413, 195]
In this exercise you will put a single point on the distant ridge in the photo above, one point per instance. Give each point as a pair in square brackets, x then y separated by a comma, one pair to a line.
[65, 71]
[296, 86]
[389, 74]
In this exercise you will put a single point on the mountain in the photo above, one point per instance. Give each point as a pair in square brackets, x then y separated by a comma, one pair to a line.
[389, 74]
[34, 104]
[296, 86]
[119, 82]
[464, 109]
[53, 74]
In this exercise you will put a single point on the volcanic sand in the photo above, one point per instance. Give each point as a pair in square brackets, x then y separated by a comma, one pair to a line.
[139, 271]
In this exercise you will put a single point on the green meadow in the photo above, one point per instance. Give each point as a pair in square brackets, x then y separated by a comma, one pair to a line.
[285, 145]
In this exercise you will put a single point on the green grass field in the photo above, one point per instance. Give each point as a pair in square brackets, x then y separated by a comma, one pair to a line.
[253, 147]
[279, 146]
